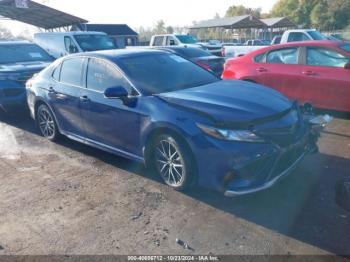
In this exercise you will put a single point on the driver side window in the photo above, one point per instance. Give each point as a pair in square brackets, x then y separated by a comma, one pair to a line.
[102, 75]
[70, 46]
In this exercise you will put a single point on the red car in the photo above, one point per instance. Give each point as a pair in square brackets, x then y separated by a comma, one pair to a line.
[317, 72]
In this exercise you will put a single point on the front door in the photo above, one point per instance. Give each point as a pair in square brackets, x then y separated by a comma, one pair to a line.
[109, 121]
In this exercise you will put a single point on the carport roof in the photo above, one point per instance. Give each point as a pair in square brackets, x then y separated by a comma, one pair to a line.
[38, 15]
[237, 22]
[278, 22]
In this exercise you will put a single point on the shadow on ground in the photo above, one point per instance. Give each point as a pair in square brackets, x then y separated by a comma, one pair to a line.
[301, 206]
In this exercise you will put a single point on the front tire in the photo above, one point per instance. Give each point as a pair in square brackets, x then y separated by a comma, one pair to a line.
[172, 161]
[47, 123]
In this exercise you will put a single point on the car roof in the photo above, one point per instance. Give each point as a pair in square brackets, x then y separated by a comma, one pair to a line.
[72, 33]
[321, 43]
[15, 42]
[119, 53]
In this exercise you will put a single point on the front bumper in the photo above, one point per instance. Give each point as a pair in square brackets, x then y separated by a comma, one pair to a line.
[273, 181]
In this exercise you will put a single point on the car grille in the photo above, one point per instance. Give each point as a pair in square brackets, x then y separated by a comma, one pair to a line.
[283, 136]
[288, 158]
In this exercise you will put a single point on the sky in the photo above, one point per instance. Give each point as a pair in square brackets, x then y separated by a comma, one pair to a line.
[145, 13]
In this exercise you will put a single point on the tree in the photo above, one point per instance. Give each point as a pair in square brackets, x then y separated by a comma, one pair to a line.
[287, 8]
[322, 14]
[169, 30]
[319, 16]
[160, 27]
[5, 33]
[238, 10]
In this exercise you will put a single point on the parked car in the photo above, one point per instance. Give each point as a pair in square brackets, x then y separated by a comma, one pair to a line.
[257, 42]
[287, 37]
[201, 57]
[276, 40]
[315, 71]
[184, 40]
[19, 61]
[59, 44]
[182, 121]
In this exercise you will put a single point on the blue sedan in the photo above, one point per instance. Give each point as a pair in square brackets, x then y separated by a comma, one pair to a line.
[180, 120]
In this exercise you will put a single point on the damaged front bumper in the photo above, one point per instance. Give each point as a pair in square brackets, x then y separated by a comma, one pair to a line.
[294, 155]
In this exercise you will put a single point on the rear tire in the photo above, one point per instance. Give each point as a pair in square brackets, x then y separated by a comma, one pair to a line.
[47, 123]
[171, 159]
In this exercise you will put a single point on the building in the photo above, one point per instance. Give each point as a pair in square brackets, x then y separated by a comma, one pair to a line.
[122, 34]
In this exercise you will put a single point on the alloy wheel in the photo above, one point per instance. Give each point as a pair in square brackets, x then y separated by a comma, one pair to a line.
[170, 163]
[46, 122]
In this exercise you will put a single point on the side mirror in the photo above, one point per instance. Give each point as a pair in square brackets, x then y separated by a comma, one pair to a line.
[117, 92]
[347, 66]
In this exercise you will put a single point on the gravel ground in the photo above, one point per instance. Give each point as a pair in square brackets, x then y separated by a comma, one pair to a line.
[67, 198]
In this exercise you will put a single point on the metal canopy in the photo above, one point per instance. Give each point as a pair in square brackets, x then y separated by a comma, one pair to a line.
[38, 15]
[278, 22]
[237, 22]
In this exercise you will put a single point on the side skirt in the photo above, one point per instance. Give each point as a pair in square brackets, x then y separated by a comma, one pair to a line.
[104, 147]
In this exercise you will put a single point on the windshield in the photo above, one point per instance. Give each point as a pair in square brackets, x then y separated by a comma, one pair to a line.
[161, 73]
[346, 47]
[187, 39]
[15, 53]
[317, 35]
[94, 42]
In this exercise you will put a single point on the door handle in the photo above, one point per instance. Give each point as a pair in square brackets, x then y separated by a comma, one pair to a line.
[52, 90]
[261, 70]
[84, 99]
[309, 73]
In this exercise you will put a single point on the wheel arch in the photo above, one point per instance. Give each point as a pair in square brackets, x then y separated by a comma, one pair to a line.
[40, 101]
[165, 130]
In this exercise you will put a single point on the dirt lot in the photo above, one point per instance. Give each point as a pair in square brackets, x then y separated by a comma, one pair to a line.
[68, 198]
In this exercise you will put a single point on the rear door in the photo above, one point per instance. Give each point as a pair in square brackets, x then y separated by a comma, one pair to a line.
[281, 71]
[326, 81]
[64, 94]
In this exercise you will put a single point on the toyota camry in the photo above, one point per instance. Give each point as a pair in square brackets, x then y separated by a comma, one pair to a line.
[183, 122]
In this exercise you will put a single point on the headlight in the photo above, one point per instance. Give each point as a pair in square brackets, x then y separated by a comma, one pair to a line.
[231, 135]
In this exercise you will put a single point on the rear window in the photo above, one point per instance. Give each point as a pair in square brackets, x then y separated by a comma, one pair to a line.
[71, 71]
[14, 53]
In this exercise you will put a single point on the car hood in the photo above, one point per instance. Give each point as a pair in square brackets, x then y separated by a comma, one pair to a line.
[232, 102]
[24, 66]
